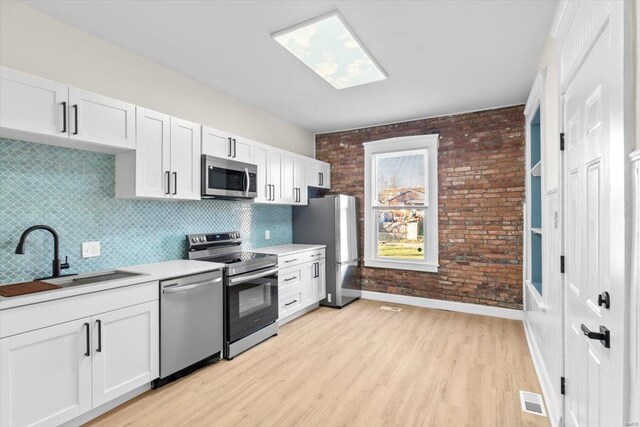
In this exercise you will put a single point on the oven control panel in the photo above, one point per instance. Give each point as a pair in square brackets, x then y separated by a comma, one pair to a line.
[213, 239]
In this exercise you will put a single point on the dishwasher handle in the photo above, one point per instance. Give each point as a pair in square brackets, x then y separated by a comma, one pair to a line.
[170, 289]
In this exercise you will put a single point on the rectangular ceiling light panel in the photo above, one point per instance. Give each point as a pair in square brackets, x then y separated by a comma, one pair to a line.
[328, 47]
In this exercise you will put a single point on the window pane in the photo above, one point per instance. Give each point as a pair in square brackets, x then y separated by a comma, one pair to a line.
[401, 234]
[400, 179]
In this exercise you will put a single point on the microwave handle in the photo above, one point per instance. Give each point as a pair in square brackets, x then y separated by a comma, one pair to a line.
[242, 279]
[246, 182]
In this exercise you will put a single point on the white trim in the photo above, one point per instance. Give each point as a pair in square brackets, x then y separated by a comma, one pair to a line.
[543, 375]
[461, 307]
[536, 93]
[558, 18]
[536, 295]
[428, 144]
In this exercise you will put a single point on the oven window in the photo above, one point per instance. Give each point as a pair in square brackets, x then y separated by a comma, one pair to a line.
[253, 300]
[226, 179]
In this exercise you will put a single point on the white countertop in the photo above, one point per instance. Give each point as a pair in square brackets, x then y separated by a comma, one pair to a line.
[288, 249]
[148, 273]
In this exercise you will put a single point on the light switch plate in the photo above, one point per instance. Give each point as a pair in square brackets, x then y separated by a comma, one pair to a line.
[90, 249]
[267, 234]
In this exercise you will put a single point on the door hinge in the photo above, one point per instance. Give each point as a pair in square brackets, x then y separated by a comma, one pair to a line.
[561, 141]
[562, 386]
[561, 263]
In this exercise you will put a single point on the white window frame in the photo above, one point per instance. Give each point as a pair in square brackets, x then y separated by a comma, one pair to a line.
[428, 143]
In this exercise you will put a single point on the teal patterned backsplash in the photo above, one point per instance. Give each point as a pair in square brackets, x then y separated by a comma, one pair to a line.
[73, 192]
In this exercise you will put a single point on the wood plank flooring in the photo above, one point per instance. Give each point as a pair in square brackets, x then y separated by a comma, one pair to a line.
[358, 366]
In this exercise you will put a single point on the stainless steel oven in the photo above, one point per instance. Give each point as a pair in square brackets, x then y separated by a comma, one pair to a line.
[228, 179]
[252, 309]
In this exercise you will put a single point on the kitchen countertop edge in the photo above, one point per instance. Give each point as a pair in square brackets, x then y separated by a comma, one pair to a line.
[289, 249]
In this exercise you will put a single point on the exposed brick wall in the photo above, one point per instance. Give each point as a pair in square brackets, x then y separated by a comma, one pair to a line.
[481, 175]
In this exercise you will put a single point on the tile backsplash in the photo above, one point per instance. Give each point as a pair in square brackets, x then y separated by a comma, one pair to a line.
[73, 192]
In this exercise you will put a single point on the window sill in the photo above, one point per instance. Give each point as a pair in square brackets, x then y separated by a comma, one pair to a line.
[401, 265]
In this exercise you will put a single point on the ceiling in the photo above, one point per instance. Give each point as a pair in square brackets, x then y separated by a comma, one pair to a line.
[442, 57]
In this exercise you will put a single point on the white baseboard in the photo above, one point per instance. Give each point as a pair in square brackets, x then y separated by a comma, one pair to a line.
[462, 307]
[551, 402]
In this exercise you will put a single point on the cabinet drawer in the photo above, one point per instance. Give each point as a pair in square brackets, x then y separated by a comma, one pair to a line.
[291, 302]
[301, 257]
[288, 278]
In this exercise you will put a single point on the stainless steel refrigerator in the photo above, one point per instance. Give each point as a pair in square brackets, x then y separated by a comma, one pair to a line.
[331, 220]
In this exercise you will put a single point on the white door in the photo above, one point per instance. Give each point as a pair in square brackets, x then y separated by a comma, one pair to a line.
[289, 192]
[125, 350]
[32, 104]
[216, 142]
[262, 163]
[101, 120]
[153, 174]
[301, 195]
[275, 174]
[594, 383]
[185, 159]
[243, 150]
[46, 375]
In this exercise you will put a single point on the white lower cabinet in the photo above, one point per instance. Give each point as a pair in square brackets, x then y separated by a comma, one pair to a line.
[56, 373]
[301, 282]
[45, 375]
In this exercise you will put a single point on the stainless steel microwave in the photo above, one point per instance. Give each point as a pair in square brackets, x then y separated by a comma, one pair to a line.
[228, 179]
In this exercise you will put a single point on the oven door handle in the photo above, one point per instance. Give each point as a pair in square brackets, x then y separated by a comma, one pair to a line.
[173, 288]
[242, 279]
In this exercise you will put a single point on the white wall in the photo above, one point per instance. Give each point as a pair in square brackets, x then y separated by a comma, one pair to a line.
[36, 43]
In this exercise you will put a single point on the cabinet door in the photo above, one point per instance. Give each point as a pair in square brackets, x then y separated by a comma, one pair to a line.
[152, 171]
[275, 174]
[288, 194]
[216, 142]
[185, 159]
[309, 283]
[32, 104]
[324, 169]
[101, 120]
[125, 350]
[262, 162]
[46, 375]
[318, 174]
[299, 181]
[321, 280]
[243, 150]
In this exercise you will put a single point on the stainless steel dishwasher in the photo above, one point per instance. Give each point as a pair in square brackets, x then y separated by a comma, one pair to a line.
[191, 323]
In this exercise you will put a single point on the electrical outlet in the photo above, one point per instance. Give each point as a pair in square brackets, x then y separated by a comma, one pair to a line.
[90, 249]
[267, 234]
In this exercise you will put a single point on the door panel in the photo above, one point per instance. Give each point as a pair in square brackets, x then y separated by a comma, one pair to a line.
[46, 375]
[125, 350]
[243, 150]
[32, 104]
[101, 120]
[185, 159]
[215, 142]
[153, 174]
[288, 178]
[275, 174]
[262, 162]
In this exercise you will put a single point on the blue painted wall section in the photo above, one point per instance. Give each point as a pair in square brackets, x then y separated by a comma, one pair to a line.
[73, 192]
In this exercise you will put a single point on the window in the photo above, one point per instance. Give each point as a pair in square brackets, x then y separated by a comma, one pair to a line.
[401, 203]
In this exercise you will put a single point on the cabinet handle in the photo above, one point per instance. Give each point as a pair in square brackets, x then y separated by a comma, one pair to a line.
[291, 260]
[64, 116]
[230, 142]
[292, 302]
[88, 352]
[175, 183]
[235, 148]
[168, 176]
[75, 118]
[99, 323]
[290, 279]
[272, 195]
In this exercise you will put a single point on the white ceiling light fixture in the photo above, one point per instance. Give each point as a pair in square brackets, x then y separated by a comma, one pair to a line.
[328, 46]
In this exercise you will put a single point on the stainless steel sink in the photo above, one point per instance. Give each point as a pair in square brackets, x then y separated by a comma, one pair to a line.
[88, 279]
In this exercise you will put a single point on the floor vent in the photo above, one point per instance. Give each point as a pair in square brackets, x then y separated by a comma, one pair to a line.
[386, 307]
[532, 403]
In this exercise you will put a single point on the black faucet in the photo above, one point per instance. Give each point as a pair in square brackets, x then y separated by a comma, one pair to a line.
[57, 266]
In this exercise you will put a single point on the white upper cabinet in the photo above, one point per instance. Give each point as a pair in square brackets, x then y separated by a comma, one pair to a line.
[318, 174]
[281, 176]
[32, 104]
[289, 191]
[185, 159]
[276, 162]
[166, 162]
[46, 375]
[301, 195]
[218, 143]
[39, 110]
[101, 120]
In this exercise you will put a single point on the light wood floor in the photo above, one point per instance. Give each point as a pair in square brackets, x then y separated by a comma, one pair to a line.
[358, 366]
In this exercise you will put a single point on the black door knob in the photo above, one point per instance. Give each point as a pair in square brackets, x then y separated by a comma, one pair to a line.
[604, 299]
[604, 336]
